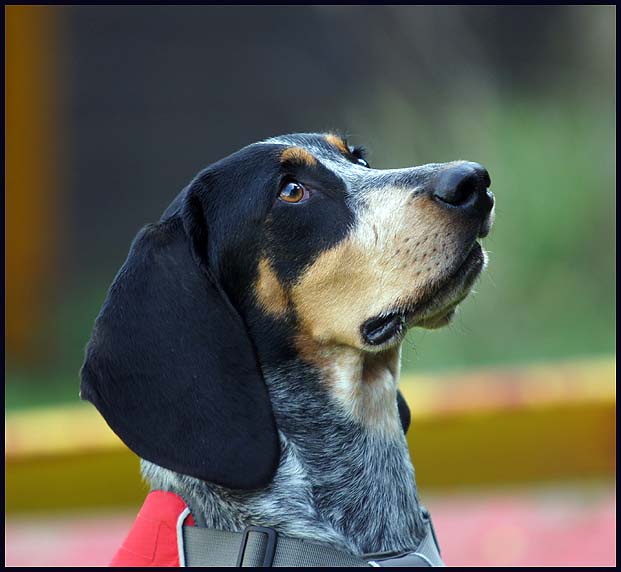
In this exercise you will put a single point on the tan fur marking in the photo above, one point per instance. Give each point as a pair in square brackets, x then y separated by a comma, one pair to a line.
[269, 291]
[364, 384]
[338, 143]
[298, 155]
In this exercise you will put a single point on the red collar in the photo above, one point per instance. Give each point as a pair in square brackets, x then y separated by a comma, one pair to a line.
[152, 541]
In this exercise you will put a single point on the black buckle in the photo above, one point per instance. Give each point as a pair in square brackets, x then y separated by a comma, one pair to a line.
[270, 549]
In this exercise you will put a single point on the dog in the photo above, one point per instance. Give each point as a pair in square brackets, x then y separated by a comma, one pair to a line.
[248, 350]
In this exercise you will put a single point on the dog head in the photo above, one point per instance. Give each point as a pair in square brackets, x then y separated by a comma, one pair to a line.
[285, 248]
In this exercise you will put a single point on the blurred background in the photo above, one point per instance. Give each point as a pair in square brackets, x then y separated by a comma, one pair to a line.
[110, 111]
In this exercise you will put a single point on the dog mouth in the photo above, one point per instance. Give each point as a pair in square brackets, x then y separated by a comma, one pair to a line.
[434, 310]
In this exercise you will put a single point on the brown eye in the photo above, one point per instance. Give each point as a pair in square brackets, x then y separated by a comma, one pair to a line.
[293, 192]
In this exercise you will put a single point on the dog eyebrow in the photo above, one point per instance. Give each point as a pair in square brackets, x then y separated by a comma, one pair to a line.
[298, 155]
[338, 142]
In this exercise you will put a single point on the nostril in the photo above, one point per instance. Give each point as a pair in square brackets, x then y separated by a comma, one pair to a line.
[486, 178]
[464, 190]
[461, 184]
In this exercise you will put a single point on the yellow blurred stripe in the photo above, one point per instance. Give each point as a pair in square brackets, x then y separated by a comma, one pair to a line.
[89, 479]
[508, 426]
[589, 381]
[483, 428]
[57, 431]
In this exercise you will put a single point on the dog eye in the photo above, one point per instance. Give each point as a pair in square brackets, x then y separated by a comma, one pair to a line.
[359, 153]
[293, 192]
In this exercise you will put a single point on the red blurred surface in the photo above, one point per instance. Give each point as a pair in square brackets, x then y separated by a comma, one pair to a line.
[566, 527]
[553, 526]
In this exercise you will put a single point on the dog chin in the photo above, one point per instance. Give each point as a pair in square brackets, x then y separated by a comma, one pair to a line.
[439, 320]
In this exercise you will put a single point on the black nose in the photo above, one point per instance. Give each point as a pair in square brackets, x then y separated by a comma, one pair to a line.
[465, 186]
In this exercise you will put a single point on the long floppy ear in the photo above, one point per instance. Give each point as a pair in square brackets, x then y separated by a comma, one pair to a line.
[170, 365]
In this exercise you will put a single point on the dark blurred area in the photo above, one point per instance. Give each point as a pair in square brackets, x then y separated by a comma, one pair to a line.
[133, 101]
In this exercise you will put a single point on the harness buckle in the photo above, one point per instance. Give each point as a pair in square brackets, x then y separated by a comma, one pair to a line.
[270, 548]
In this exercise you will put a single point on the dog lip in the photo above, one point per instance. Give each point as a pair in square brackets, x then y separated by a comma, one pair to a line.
[380, 329]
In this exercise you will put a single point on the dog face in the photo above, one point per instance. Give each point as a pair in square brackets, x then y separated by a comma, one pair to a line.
[297, 230]
[358, 255]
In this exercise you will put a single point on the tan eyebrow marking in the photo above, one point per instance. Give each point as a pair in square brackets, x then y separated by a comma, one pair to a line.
[338, 143]
[298, 155]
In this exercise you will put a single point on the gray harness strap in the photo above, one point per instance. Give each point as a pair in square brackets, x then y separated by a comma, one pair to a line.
[259, 547]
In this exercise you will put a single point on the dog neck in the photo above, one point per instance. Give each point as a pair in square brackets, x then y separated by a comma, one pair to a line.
[345, 475]
[341, 416]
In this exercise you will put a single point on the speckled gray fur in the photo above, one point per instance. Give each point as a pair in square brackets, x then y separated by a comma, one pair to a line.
[337, 482]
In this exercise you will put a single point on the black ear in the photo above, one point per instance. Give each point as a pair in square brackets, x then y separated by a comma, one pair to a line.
[404, 412]
[170, 365]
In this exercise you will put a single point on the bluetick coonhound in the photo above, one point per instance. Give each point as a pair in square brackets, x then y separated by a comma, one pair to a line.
[249, 348]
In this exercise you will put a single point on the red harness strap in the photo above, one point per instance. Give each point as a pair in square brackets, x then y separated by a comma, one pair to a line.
[152, 541]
